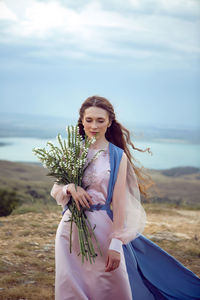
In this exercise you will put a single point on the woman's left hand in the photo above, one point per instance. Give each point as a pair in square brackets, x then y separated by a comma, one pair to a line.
[112, 260]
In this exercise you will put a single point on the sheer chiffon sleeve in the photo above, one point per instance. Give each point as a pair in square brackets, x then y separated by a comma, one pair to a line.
[60, 193]
[118, 202]
[129, 217]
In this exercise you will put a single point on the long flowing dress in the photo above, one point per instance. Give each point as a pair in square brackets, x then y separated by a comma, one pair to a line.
[75, 280]
[146, 271]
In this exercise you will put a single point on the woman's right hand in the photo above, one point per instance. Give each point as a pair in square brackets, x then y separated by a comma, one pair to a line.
[80, 196]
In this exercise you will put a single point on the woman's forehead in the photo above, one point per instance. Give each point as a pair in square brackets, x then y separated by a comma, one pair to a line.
[95, 112]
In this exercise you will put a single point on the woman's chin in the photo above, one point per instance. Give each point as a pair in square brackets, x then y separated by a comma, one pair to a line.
[91, 135]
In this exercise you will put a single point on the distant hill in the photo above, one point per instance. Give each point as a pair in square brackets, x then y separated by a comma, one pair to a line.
[27, 125]
[46, 127]
[31, 184]
[180, 186]
[174, 172]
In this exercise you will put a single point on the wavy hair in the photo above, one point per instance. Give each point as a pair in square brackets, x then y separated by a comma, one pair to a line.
[119, 136]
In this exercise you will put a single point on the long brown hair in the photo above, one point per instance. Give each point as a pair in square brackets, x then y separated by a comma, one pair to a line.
[119, 136]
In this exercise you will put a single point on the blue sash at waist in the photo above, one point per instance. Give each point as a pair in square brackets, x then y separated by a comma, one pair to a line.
[98, 206]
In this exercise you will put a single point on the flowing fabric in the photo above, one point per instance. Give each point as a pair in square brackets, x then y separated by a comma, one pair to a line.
[75, 280]
[128, 205]
[159, 272]
[146, 271]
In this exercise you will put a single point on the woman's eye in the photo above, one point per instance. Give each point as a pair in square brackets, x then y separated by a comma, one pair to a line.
[90, 121]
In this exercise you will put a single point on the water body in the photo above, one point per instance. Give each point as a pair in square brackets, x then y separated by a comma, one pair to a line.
[166, 154]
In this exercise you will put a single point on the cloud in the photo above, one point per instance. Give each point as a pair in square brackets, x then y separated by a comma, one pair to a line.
[6, 13]
[177, 8]
[143, 31]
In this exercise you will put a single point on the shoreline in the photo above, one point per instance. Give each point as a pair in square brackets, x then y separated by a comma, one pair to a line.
[151, 169]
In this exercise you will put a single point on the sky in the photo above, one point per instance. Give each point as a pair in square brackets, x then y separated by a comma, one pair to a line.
[142, 55]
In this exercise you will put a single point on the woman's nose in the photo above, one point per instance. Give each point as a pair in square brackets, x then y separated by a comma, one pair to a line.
[94, 125]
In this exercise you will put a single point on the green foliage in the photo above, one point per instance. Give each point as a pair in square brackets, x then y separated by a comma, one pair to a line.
[8, 201]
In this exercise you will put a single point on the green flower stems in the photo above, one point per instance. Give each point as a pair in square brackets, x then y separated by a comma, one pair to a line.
[67, 165]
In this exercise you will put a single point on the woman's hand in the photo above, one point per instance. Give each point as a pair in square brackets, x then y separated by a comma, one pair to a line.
[112, 260]
[81, 197]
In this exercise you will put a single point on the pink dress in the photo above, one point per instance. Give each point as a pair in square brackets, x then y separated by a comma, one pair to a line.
[75, 280]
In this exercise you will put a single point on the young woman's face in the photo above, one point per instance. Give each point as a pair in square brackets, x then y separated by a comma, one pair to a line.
[95, 122]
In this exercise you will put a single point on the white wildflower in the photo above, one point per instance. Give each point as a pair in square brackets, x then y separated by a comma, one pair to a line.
[93, 140]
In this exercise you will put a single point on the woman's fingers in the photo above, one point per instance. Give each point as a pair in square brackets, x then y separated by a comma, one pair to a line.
[112, 262]
[115, 265]
[84, 199]
[83, 202]
[112, 266]
[107, 264]
[89, 198]
[77, 204]
[107, 259]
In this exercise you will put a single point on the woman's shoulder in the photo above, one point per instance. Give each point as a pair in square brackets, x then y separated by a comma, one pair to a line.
[117, 149]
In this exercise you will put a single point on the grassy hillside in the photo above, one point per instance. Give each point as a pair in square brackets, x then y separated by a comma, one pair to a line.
[28, 180]
[181, 190]
[174, 187]
[27, 236]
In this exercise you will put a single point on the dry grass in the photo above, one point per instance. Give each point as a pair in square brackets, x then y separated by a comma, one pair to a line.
[186, 188]
[27, 247]
[177, 232]
[27, 255]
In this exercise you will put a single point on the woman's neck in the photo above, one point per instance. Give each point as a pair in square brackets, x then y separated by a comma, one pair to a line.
[102, 144]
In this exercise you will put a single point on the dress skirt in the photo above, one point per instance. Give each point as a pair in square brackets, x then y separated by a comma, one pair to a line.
[146, 271]
[85, 281]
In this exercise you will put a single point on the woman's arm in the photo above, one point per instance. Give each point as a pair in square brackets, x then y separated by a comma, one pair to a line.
[60, 193]
[129, 217]
[118, 205]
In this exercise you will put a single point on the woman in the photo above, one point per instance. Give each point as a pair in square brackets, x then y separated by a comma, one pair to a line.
[131, 266]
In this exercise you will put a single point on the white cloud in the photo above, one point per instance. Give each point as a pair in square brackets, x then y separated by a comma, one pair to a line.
[145, 29]
[6, 13]
[178, 7]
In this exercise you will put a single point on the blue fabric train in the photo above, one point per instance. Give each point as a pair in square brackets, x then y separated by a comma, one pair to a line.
[153, 273]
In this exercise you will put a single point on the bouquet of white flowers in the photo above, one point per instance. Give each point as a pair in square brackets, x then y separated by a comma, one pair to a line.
[67, 164]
